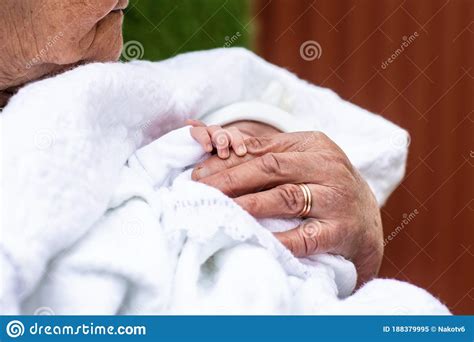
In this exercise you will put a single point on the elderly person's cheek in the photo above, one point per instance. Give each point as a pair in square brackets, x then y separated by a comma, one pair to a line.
[107, 42]
[93, 34]
[55, 35]
[103, 37]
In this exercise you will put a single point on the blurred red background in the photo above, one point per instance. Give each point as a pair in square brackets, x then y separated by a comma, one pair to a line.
[427, 89]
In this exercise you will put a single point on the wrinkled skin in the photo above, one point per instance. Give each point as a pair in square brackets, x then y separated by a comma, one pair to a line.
[43, 38]
[344, 219]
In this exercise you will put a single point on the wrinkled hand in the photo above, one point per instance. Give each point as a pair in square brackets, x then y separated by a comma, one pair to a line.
[344, 218]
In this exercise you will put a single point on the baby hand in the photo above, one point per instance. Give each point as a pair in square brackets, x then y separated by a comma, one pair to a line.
[218, 137]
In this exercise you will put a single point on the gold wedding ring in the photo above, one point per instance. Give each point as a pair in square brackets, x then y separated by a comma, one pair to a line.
[308, 200]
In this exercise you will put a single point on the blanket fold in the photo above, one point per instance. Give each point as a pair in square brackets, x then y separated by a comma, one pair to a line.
[85, 231]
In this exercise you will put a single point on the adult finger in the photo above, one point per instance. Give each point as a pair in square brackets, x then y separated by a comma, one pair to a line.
[273, 169]
[288, 201]
[256, 175]
[310, 237]
[258, 146]
[215, 164]
[289, 142]
[201, 135]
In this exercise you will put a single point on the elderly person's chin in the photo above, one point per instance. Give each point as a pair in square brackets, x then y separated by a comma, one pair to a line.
[105, 42]
[91, 40]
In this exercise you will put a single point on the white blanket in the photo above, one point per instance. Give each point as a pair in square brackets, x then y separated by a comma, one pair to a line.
[82, 233]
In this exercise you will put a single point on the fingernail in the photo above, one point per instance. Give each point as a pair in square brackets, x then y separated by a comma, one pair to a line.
[209, 148]
[223, 153]
[200, 172]
[241, 150]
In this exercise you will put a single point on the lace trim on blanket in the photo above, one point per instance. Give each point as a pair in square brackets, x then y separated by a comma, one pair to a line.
[189, 219]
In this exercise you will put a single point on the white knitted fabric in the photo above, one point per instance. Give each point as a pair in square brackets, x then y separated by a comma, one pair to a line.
[84, 233]
[185, 247]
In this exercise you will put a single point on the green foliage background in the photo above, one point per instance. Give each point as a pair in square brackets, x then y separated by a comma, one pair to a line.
[168, 27]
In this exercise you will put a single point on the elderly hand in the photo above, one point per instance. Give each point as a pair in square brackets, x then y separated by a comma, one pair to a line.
[344, 218]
